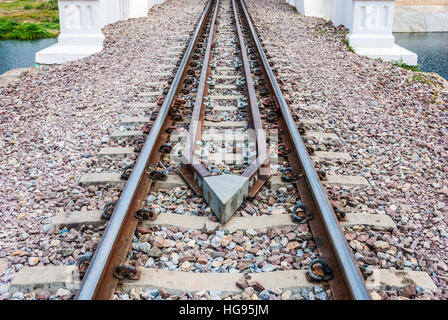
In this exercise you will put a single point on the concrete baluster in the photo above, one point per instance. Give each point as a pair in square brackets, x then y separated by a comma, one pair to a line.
[124, 9]
[138, 8]
[327, 9]
[81, 22]
[111, 11]
[81, 35]
[342, 13]
[310, 8]
[300, 6]
[371, 32]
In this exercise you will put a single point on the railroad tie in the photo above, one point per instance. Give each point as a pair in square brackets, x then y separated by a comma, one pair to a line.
[52, 278]
[76, 219]
[176, 181]
[144, 105]
[120, 152]
[150, 94]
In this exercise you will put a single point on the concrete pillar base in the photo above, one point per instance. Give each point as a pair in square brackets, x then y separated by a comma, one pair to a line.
[57, 53]
[371, 40]
[395, 53]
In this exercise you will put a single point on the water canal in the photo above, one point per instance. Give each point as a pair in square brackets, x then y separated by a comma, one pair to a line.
[21, 53]
[431, 48]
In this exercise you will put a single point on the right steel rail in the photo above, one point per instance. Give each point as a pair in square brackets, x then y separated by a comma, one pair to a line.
[352, 277]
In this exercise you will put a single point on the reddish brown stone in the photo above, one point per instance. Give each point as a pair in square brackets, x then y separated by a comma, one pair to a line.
[202, 259]
[257, 286]
[370, 260]
[164, 293]
[242, 284]
[202, 237]
[173, 229]
[303, 228]
[43, 295]
[142, 230]
[238, 238]
[362, 238]
[159, 242]
[408, 291]
[349, 236]
[273, 232]
[291, 236]
[288, 229]
[369, 242]
[274, 259]
[187, 258]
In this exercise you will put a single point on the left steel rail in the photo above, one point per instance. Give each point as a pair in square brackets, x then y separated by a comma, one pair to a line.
[99, 282]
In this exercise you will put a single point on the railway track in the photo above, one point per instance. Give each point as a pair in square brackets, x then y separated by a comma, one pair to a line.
[221, 138]
[228, 29]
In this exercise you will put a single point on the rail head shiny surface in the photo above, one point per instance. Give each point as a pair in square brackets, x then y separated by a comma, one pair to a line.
[102, 254]
[351, 273]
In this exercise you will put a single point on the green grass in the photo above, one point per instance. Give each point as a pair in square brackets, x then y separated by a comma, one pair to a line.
[427, 79]
[421, 77]
[10, 5]
[322, 32]
[418, 77]
[28, 19]
[347, 44]
[10, 29]
[48, 5]
[403, 65]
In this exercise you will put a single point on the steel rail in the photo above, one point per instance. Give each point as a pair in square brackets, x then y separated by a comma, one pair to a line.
[253, 104]
[92, 286]
[191, 167]
[352, 276]
[198, 109]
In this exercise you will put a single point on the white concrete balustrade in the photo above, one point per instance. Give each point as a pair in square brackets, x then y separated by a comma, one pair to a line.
[314, 8]
[371, 32]
[370, 23]
[81, 22]
[342, 13]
